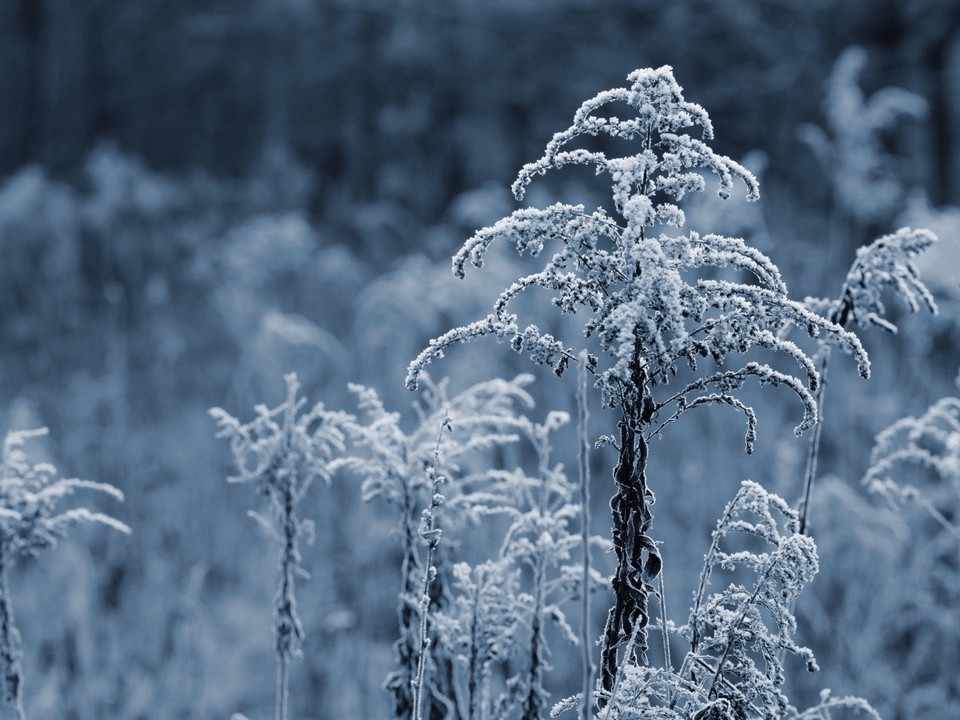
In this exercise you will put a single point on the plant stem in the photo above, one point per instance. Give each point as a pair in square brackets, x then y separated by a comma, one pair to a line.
[400, 682]
[531, 707]
[667, 660]
[430, 533]
[280, 710]
[629, 616]
[9, 649]
[813, 451]
[705, 576]
[474, 682]
[583, 457]
[287, 624]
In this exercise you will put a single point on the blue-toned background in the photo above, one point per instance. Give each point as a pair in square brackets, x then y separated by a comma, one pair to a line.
[198, 196]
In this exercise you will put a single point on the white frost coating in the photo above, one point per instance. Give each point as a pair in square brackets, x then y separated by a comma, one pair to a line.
[638, 285]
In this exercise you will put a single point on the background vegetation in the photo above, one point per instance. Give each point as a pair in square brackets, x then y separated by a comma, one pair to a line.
[196, 198]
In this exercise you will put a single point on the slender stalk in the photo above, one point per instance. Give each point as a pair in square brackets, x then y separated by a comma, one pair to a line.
[430, 533]
[667, 660]
[280, 708]
[474, 682]
[583, 457]
[813, 450]
[10, 653]
[400, 682]
[534, 701]
[532, 705]
[424, 640]
[705, 576]
[287, 625]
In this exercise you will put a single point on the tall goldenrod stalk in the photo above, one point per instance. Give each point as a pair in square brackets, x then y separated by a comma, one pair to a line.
[813, 449]
[283, 450]
[30, 522]
[636, 278]
[10, 650]
[886, 262]
[583, 457]
[430, 534]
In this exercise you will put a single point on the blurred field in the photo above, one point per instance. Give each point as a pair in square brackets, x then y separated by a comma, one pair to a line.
[198, 197]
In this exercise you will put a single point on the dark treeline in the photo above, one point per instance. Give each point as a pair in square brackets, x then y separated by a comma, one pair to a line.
[402, 101]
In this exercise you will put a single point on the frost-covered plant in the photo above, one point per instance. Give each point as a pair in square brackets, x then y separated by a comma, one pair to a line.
[733, 668]
[532, 575]
[737, 635]
[480, 628]
[497, 612]
[430, 534]
[885, 264]
[648, 308]
[31, 520]
[915, 465]
[917, 460]
[282, 451]
[401, 467]
[543, 541]
[915, 468]
[850, 150]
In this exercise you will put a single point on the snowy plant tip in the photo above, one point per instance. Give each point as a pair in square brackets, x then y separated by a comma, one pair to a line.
[929, 444]
[660, 112]
[287, 444]
[885, 263]
[29, 494]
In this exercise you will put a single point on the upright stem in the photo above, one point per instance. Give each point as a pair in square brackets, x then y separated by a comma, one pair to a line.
[431, 534]
[400, 682]
[535, 695]
[839, 315]
[9, 649]
[280, 709]
[583, 457]
[287, 625]
[424, 639]
[638, 561]
[533, 704]
[813, 451]
[662, 597]
[474, 681]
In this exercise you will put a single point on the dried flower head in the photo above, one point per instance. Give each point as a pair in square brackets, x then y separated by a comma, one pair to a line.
[641, 287]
